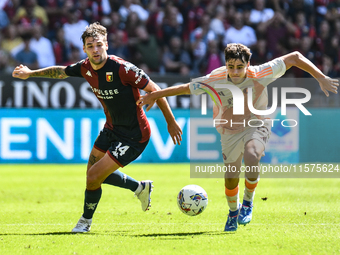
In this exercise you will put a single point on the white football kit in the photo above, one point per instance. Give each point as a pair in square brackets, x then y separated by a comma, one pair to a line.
[236, 130]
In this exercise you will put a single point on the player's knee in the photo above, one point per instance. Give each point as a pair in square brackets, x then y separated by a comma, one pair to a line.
[231, 183]
[92, 182]
[251, 158]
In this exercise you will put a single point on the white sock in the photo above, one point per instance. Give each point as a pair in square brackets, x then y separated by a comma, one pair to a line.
[249, 189]
[139, 189]
[233, 198]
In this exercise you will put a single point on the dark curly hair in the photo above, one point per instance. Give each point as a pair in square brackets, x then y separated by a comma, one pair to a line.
[94, 30]
[237, 51]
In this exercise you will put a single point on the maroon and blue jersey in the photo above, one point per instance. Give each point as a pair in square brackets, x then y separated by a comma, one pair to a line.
[116, 85]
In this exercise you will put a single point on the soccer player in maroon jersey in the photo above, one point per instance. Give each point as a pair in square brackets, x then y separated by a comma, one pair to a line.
[126, 133]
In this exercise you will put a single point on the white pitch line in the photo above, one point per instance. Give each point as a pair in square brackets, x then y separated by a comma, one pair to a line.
[186, 223]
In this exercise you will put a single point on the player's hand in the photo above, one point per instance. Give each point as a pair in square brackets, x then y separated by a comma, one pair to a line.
[21, 72]
[148, 98]
[329, 84]
[175, 132]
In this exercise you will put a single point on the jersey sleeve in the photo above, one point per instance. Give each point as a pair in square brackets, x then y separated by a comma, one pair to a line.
[197, 86]
[74, 69]
[277, 66]
[131, 75]
[207, 83]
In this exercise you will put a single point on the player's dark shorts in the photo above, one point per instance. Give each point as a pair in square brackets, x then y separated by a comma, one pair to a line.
[122, 150]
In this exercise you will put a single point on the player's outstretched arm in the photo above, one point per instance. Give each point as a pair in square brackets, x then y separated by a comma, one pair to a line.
[153, 96]
[297, 59]
[173, 127]
[23, 72]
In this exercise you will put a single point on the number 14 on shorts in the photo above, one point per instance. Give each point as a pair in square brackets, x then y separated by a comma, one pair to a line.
[120, 150]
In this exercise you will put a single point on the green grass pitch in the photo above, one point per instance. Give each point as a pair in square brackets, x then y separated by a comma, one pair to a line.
[40, 204]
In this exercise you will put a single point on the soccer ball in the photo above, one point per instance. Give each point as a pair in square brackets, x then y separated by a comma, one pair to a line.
[192, 200]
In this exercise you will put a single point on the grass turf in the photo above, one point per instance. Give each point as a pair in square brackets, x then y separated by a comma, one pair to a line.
[40, 204]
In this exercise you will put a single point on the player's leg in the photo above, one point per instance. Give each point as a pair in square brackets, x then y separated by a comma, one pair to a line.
[117, 178]
[253, 151]
[231, 182]
[96, 174]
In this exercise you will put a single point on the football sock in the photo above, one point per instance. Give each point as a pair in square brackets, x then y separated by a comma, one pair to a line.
[232, 198]
[92, 198]
[122, 180]
[249, 190]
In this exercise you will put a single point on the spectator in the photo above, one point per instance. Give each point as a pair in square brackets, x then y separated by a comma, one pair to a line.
[333, 10]
[199, 39]
[172, 25]
[91, 10]
[176, 59]
[5, 61]
[296, 6]
[127, 7]
[42, 47]
[55, 10]
[146, 51]
[74, 56]
[239, 33]
[337, 27]
[259, 13]
[276, 30]
[192, 15]
[303, 28]
[305, 48]
[73, 30]
[4, 22]
[322, 39]
[113, 23]
[30, 14]
[260, 53]
[60, 48]
[10, 7]
[27, 56]
[213, 58]
[131, 23]
[11, 39]
[219, 23]
[320, 10]
[117, 45]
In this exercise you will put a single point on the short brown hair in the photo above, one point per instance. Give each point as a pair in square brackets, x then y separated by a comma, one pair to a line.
[237, 51]
[93, 30]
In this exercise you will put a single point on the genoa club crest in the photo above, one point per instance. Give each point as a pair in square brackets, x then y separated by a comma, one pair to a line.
[109, 76]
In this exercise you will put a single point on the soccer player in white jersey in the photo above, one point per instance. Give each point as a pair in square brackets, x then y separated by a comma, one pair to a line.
[239, 142]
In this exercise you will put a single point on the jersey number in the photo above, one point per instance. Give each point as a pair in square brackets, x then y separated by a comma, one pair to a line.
[120, 150]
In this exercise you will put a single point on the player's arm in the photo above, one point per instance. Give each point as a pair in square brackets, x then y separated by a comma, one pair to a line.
[297, 59]
[173, 127]
[56, 72]
[155, 95]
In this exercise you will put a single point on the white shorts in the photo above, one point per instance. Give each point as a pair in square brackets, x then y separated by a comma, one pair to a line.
[233, 145]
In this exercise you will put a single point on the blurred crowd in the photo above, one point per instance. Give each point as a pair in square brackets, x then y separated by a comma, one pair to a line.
[182, 37]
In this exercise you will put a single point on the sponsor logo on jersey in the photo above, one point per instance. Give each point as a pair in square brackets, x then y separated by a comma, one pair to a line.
[109, 76]
[106, 93]
[88, 73]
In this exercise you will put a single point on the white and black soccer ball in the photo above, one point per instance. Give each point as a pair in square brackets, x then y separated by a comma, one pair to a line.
[192, 200]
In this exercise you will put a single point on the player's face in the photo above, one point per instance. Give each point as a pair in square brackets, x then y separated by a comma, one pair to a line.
[95, 48]
[237, 70]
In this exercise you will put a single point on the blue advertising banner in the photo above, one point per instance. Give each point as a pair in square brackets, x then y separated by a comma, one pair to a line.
[67, 136]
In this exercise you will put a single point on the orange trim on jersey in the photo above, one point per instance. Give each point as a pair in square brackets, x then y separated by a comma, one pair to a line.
[217, 78]
[250, 186]
[231, 192]
[218, 75]
[263, 73]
